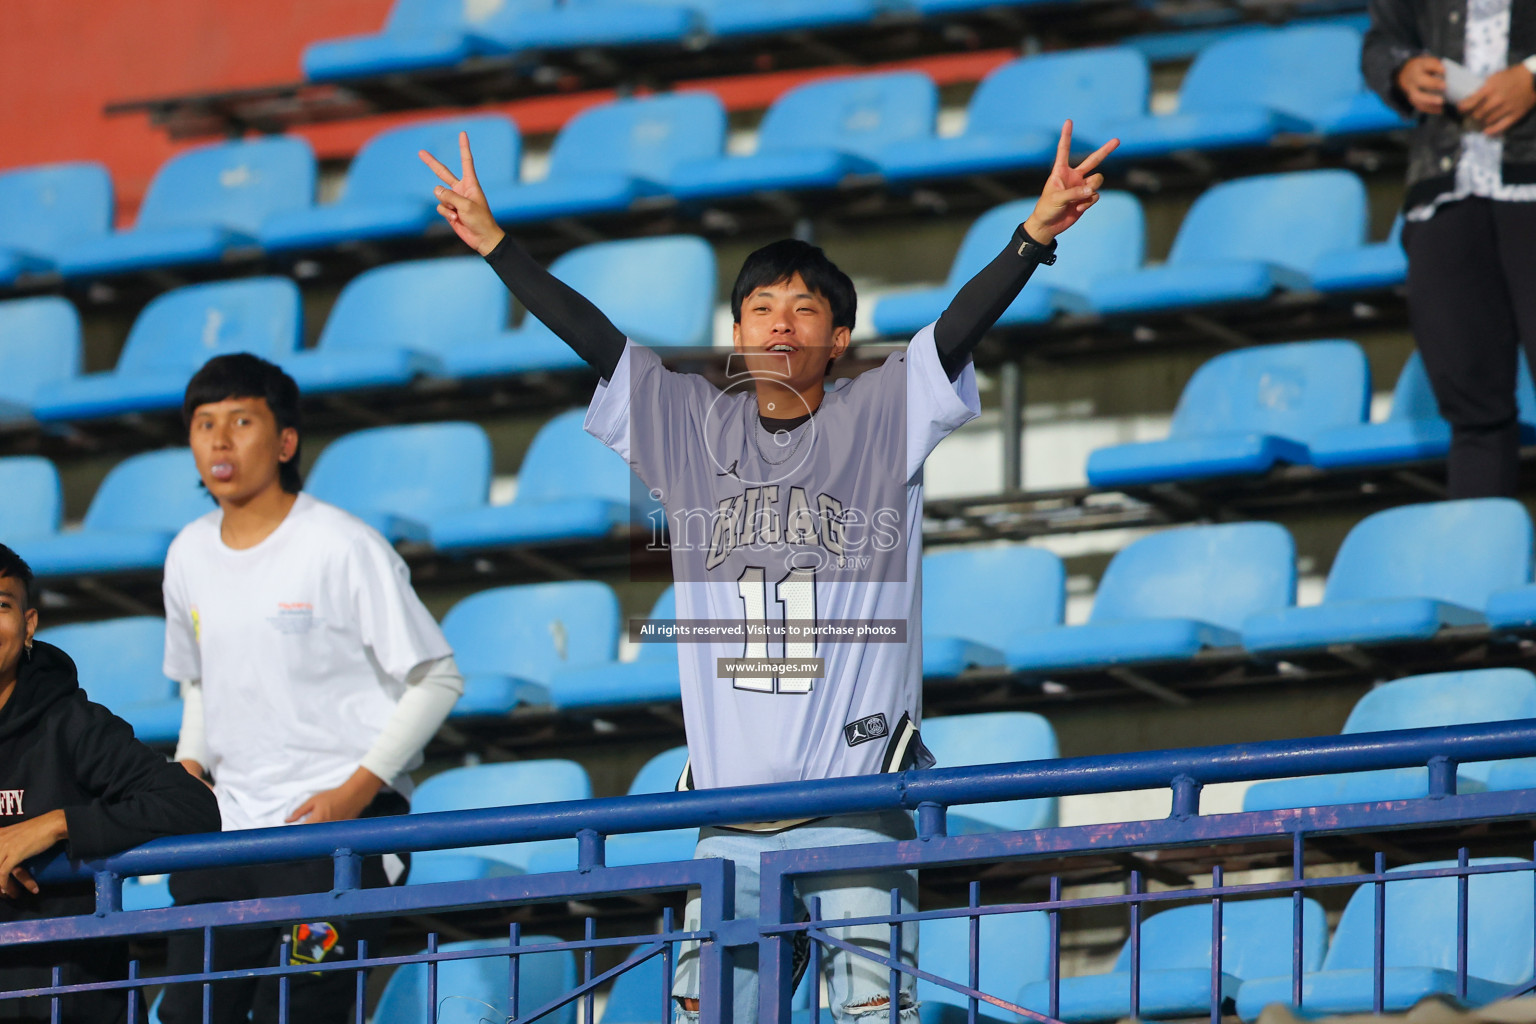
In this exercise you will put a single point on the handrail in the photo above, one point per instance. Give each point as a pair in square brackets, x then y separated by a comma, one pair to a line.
[1185, 770]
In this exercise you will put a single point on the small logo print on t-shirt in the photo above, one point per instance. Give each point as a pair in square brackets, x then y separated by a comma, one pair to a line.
[293, 617]
[865, 729]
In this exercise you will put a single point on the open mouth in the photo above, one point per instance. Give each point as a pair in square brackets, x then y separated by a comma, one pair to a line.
[782, 347]
[222, 471]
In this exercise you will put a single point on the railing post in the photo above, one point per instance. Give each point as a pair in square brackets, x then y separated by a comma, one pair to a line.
[591, 850]
[109, 893]
[346, 871]
[1442, 776]
[1186, 798]
[717, 908]
[1217, 877]
[932, 820]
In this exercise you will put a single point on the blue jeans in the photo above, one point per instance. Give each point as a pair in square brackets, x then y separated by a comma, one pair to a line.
[856, 987]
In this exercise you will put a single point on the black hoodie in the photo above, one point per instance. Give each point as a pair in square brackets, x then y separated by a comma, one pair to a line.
[60, 751]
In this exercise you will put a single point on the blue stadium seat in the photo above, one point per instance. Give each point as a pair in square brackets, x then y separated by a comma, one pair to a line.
[388, 192]
[471, 991]
[1236, 243]
[1013, 950]
[931, 7]
[570, 487]
[1014, 118]
[817, 134]
[1176, 961]
[652, 678]
[419, 34]
[507, 784]
[34, 499]
[734, 18]
[674, 308]
[975, 598]
[39, 350]
[45, 209]
[609, 156]
[147, 892]
[1245, 411]
[396, 479]
[119, 662]
[1418, 702]
[510, 641]
[1245, 89]
[173, 337]
[388, 320]
[1371, 267]
[1420, 959]
[1414, 428]
[577, 23]
[1112, 241]
[202, 203]
[1169, 596]
[136, 513]
[993, 737]
[1406, 573]
[637, 997]
[658, 775]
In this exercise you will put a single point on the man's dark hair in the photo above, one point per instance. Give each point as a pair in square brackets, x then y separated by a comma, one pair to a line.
[779, 261]
[243, 375]
[14, 567]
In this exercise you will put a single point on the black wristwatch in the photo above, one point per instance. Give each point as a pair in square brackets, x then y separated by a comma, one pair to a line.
[1031, 249]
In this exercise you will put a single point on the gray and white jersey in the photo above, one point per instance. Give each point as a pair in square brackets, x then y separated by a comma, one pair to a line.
[821, 524]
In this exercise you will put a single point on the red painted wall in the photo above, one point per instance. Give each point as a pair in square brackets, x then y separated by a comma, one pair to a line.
[61, 61]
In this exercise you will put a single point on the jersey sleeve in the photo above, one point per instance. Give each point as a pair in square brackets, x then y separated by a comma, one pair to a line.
[391, 619]
[183, 659]
[650, 415]
[935, 405]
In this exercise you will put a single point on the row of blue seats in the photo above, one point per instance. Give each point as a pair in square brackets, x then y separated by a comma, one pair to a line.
[1419, 959]
[1241, 91]
[423, 35]
[389, 327]
[426, 484]
[1401, 576]
[1304, 403]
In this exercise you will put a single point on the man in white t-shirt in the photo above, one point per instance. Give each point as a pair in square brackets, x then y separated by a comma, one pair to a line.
[312, 677]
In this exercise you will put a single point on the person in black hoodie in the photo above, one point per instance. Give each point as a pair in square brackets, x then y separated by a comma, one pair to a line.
[71, 773]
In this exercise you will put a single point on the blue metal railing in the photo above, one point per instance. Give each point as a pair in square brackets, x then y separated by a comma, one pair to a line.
[928, 793]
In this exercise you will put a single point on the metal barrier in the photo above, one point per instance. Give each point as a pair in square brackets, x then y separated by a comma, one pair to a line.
[721, 933]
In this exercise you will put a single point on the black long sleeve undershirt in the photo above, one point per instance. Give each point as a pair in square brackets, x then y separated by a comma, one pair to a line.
[584, 327]
[564, 310]
[978, 304]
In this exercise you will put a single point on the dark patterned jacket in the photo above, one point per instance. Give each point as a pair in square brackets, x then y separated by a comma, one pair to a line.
[1401, 29]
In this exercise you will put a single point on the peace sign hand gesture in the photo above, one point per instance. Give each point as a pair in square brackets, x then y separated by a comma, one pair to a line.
[1068, 192]
[462, 203]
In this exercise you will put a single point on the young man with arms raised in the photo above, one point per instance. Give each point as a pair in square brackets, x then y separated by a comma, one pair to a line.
[811, 499]
[312, 674]
[71, 774]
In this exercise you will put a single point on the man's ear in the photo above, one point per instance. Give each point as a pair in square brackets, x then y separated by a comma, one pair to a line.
[736, 335]
[31, 621]
[841, 336]
[287, 444]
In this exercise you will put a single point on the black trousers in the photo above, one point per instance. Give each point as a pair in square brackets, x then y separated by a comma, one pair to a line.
[82, 963]
[1472, 305]
[326, 998]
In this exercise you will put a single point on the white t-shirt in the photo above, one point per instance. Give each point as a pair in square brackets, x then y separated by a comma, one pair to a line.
[820, 524]
[302, 644]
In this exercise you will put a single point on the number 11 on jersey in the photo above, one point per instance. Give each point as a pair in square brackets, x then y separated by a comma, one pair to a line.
[795, 596]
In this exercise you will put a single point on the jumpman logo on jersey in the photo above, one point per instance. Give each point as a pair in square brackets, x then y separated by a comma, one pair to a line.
[731, 470]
